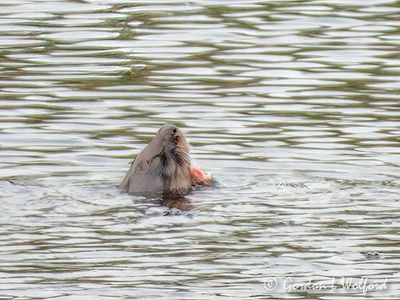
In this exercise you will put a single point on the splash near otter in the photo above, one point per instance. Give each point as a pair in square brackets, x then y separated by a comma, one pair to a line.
[164, 166]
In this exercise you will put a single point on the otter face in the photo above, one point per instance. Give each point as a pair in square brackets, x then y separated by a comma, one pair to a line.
[171, 134]
[176, 147]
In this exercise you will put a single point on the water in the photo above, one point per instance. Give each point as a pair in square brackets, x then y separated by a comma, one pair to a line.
[292, 105]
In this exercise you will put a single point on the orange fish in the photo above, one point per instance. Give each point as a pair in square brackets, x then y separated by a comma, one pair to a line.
[200, 177]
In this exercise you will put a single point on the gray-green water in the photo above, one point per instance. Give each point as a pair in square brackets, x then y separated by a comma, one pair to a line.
[292, 105]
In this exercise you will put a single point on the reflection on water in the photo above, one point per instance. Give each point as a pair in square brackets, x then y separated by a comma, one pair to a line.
[292, 105]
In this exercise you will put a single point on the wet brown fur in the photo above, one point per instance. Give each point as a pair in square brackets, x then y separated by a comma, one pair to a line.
[171, 165]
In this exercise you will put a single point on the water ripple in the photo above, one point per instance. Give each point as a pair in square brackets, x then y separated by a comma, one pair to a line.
[293, 108]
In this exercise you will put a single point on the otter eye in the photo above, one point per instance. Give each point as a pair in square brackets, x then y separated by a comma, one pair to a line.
[174, 131]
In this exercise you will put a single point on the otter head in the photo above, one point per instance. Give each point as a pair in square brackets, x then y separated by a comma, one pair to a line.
[176, 147]
[171, 134]
[162, 166]
[172, 160]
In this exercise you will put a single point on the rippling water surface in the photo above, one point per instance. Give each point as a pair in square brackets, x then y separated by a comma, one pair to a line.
[292, 105]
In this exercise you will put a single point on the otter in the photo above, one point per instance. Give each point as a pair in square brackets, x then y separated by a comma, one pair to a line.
[164, 166]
